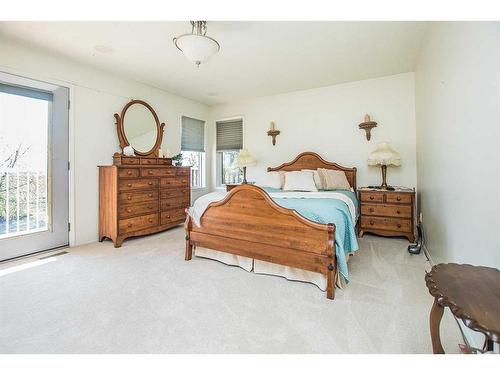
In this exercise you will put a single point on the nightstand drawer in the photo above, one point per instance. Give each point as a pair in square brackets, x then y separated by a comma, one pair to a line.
[371, 196]
[385, 223]
[398, 198]
[386, 210]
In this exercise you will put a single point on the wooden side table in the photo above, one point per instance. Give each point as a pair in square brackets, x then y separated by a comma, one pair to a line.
[387, 212]
[473, 295]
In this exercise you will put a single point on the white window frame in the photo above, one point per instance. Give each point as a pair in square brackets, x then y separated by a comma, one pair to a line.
[204, 154]
[218, 156]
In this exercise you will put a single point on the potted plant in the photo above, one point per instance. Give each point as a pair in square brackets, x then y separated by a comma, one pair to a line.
[177, 159]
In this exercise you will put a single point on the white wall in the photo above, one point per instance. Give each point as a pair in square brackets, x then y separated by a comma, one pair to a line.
[96, 97]
[325, 120]
[458, 138]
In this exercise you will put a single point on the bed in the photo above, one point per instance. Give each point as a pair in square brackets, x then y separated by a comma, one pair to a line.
[279, 233]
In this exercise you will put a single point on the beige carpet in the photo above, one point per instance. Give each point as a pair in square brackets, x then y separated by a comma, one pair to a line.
[144, 298]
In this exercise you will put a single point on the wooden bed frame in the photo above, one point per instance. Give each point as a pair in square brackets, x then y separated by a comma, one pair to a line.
[249, 223]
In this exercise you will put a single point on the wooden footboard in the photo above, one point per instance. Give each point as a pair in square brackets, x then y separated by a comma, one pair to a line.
[249, 223]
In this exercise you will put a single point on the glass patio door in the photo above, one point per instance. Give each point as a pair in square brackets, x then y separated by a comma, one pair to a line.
[33, 166]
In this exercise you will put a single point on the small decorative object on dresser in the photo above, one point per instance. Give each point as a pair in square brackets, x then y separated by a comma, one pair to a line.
[140, 195]
[244, 160]
[384, 155]
[387, 212]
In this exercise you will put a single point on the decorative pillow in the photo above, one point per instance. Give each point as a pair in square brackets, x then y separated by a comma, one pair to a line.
[270, 179]
[332, 179]
[316, 177]
[299, 181]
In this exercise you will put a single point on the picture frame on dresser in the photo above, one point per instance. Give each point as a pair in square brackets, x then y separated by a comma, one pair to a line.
[389, 213]
[141, 194]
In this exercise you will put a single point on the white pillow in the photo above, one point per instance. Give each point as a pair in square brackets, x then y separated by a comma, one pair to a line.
[270, 179]
[316, 177]
[334, 179]
[299, 181]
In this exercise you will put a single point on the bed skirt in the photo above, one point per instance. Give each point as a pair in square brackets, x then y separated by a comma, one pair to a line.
[266, 268]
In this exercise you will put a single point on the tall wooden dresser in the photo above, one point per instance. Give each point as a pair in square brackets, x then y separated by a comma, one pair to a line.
[141, 195]
[387, 212]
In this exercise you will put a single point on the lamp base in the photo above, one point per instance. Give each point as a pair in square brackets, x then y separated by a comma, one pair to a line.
[244, 176]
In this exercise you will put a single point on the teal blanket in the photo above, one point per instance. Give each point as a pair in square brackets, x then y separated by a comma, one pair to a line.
[324, 211]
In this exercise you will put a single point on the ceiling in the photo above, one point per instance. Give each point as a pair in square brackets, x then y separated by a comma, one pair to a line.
[256, 58]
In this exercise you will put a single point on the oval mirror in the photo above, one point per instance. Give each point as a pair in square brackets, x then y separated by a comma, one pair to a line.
[141, 127]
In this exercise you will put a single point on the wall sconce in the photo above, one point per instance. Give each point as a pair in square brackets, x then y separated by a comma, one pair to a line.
[273, 132]
[367, 126]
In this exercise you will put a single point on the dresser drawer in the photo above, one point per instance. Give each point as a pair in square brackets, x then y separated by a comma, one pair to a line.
[391, 224]
[168, 204]
[145, 161]
[174, 182]
[182, 171]
[130, 210]
[131, 161]
[157, 172]
[386, 210]
[398, 198]
[371, 196]
[174, 193]
[143, 183]
[173, 216]
[165, 161]
[128, 172]
[138, 196]
[137, 223]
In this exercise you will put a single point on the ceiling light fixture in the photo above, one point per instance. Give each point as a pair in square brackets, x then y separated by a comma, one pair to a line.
[196, 46]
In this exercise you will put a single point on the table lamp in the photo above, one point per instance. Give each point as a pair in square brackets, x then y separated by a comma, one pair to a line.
[384, 155]
[244, 160]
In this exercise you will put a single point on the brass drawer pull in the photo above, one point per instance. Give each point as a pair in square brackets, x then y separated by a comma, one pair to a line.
[129, 185]
[399, 225]
[150, 195]
[398, 198]
[150, 207]
[150, 183]
[150, 172]
[150, 220]
[371, 210]
[371, 197]
[129, 173]
[130, 225]
[371, 222]
[129, 197]
[398, 212]
[168, 216]
[129, 210]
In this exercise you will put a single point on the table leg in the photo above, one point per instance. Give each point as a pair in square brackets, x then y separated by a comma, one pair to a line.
[435, 321]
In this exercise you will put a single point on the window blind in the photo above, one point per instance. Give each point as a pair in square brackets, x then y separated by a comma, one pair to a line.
[27, 92]
[193, 134]
[229, 135]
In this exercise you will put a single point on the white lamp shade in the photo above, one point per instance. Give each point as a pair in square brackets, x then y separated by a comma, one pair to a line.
[197, 48]
[244, 159]
[384, 154]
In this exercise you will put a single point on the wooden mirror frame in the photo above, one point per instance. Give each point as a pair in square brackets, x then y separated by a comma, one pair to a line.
[121, 129]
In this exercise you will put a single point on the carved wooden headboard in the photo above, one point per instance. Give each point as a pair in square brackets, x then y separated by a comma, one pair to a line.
[311, 160]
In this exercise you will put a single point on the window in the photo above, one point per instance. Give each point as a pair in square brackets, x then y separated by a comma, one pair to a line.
[193, 149]
[229, 142]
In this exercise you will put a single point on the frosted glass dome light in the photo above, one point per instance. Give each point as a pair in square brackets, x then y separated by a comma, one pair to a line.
[196, 46]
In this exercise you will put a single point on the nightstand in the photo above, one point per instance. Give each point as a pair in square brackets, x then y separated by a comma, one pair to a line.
[387, 212]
